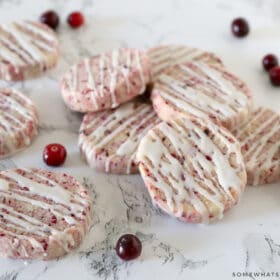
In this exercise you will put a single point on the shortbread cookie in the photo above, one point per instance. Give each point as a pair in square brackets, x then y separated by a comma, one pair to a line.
[163, 57]
[26, 49]
[108, 140]
[192, 168]
[202, 90]
[43, 214]
[106, 81]
[18, 121]
[260, 146]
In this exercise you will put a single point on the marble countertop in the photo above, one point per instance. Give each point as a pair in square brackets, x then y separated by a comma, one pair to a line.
[247, 239]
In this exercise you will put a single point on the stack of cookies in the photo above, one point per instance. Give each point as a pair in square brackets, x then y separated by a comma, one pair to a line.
[180, 118]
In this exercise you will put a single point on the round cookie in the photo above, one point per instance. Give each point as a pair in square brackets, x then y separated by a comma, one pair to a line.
[192, 168]
[105, 81]
[26, 49]
[43, 214]
[18, 121]
[108, 140]
[260, 146]
[201, 90]
[163, 57]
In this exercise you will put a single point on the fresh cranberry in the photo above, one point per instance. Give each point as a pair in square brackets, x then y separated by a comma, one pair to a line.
[128, 247]
[50, 18]
[274, 74]
[240, 27]
[269, 61]
[54, 154]
[75, 19]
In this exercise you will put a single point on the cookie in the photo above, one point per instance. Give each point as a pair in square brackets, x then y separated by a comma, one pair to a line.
[193, 169]
[105, 81]
[26, 49]
[260, 143]
[163, 57]
[108, 140]
[18, 121]
[201, 90]
[43, 214]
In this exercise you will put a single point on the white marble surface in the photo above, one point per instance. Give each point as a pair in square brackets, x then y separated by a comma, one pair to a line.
[248, 238]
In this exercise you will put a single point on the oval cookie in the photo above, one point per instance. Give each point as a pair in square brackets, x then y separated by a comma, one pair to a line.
[164, 57]
[201, 90]
[108, 140]
[260, 143]
[26, 49]
[18, 121]
[105, 81]
[43, 214]
[192, 168]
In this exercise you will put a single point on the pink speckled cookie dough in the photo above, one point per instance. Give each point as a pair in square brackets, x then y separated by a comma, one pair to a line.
[105, 81]
[26, 50]
[163, 57]
[260, 141]
[108, 140]
[201, 90]
[43, 214]
[18, 121]
[192, 168]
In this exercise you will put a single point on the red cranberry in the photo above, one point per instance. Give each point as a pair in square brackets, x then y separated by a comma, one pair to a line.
[240, 27]
[128, 247]
[75, 19]
[274, 74]
[269, 61]
[54, 154]
[50, 18]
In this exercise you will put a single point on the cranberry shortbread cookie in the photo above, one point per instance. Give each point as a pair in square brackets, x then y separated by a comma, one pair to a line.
[192, 168]
[43, 214]
[105, 81]
[26, 49]
[108, 140]
[163, 57]
[201, 90]
[260, 143]
[18, 121]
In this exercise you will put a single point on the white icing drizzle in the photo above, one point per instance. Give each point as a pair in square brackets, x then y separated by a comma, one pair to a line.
[114, 76]
[257, 158]
[10, 125]
[138, 117]
[91, 83]
[189, 140]
[65, 203]
[202, 100]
